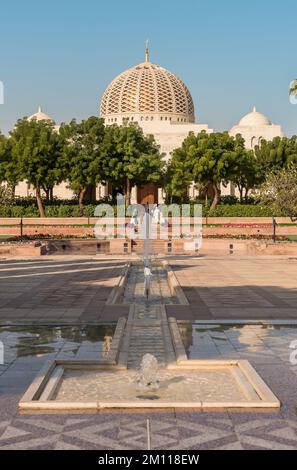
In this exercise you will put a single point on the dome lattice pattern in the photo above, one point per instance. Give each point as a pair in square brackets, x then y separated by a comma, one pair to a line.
[147, 91]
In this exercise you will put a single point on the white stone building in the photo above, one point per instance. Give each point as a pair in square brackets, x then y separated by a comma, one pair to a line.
[254, 127]
[162, 105]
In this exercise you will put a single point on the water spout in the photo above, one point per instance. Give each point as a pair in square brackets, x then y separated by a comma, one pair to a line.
[147, 281]
[147, 377]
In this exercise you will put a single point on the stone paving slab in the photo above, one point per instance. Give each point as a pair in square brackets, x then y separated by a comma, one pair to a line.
[226, 288]
[174, 429]
[211, 285]
[58, 289]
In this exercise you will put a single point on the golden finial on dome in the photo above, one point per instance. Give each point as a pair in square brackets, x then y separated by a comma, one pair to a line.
[146, 51]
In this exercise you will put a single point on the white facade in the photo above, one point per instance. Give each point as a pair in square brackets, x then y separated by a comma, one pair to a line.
[254, 127]
[170, 135]
[162, 105]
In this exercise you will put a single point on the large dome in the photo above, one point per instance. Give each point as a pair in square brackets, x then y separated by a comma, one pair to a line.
[147, 92]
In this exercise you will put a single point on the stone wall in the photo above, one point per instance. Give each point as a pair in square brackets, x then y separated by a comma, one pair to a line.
[56, 229]
[223, 247]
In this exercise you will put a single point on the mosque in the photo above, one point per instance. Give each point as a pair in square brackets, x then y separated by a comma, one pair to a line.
[160, 102]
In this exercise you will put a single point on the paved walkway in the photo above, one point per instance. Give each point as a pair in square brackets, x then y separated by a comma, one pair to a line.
[267, 348]
[232, 288]
[60, 289]
[215, 288]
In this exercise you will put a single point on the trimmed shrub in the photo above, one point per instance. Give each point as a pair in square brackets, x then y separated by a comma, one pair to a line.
[62, 210]
[242, 210]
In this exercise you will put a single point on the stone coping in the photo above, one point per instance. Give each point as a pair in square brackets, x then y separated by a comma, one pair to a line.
[38, 396]
[240, 322]
[118, 290]
[93, 220]
[174, 285]
[178, 345]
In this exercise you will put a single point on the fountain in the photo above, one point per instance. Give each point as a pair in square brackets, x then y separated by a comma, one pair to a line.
[113, 381]
[147, 281]
[147, 377]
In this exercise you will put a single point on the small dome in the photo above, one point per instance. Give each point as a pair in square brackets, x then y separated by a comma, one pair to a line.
[40, 116]
[254, 119]
[147, 89]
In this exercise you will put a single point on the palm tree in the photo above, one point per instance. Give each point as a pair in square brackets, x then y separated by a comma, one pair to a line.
[293, 88]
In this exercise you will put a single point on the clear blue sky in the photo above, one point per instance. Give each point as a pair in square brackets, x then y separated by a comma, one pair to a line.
[231, 54]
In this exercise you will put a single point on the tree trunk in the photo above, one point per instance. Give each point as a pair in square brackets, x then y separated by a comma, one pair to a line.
[240, 194]
[39, 202]
[47, 194]
[246, 194]
[12, 188]
[217, 195]
[128, 192]
[51, 194]
[81, 201]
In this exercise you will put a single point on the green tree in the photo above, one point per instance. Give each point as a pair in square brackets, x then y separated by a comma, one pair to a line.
[82, 147]
[274, 155]
[245, 175]
[206, 159]
[9, 167]
[178, 176]
[293, 88]
[129, 158]
[280, 191]
[3, 155]
[36, 149]
[6, 195]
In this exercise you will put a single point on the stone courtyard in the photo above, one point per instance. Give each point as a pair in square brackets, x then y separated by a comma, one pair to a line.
[237, 308]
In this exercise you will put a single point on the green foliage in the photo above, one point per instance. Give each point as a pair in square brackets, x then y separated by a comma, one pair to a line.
[82, 151]
[35, 148]
[274, 155]
[280, 191]
[246, 175]
[129, 158]
[6, 195]
[293, 88]
[242, 210]
[206, 159]
[221, 210]
[50, 211]
[229, 200]
[9, 167]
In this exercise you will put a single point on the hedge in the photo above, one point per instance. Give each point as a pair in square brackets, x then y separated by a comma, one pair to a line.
[50, 211]
[222, 210]
[242, 210]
